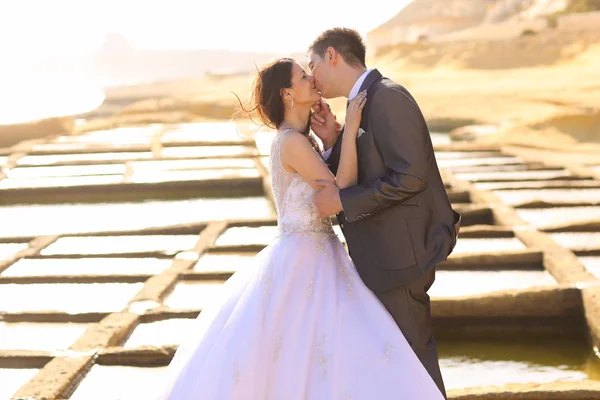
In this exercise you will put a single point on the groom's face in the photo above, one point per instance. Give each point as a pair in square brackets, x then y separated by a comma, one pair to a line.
[320, 71]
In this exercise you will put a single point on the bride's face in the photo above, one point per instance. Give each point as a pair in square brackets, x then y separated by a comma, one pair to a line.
[303, 89]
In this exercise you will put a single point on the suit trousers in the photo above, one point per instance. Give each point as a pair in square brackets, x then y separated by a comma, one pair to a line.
[409, 305]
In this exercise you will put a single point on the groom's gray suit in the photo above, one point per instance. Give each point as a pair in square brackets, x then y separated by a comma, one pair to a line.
[397, 220]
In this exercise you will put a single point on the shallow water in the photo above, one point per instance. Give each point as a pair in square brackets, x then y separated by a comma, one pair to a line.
[208, 151]
[182, 165]
[91, 297]
[467, 363]
[86, 266]
[190, 295]
[592, 264]
[469, 155]
[554, 196]
[578, 241]
[204, 131]
[27, 336]
[537, 185]
[193, 175]
[194, 295]
[25, 220]
[486, 168]
[513, 175]
[470, 283]
[52, 159]
[120, 135]
[9, 249]
[117, 382]
[549, 217]
[239, 236]
[69, 181]
[139, 176]
[464, 363]
[464, 245]
[13, 379]
[438, 138]
[66, 170]
[75, 147]
[160, 333]
[476, 161]
[223, 262]
[166, 244]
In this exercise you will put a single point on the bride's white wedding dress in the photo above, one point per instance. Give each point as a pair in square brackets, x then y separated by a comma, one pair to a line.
[297, 325]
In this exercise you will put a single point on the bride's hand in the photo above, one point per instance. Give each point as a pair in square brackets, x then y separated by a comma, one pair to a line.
[354, 113]
[323, 123]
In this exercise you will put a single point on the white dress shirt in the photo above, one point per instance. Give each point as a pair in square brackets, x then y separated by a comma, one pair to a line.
[352, 95]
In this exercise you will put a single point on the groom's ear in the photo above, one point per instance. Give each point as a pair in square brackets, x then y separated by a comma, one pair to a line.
[331, 56]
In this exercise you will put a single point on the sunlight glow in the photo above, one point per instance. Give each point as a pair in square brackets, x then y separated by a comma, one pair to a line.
[47, 47]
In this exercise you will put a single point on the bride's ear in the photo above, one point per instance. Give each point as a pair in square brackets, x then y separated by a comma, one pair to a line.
[286, 95]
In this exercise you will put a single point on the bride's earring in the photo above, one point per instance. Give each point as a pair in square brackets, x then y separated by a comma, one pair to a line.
[292, 103]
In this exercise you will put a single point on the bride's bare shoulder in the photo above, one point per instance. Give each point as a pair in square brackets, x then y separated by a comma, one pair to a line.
[292, 139]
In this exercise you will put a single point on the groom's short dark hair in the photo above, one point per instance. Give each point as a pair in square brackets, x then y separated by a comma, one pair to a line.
[345, 41]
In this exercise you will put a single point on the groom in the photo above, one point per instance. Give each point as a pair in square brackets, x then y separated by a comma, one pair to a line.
[397, 220]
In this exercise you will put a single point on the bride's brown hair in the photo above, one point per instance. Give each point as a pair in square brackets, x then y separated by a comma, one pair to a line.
[266, 100]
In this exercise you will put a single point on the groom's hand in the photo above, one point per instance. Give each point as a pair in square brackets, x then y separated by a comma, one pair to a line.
[323, 123]
[327, 198]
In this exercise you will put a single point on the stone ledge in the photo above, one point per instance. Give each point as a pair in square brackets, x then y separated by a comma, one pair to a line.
[590, 225]
[161, 313]
[141, 356]
[486, 232]
[56, 378]
[53, 316]
[591, 305]
[472, 146]
[475, 214]
[459, 196]
[555, 309]
[160, 285]
[582, 390]
[547, 204]
[86, 278]
[111, 331]
[24, 358]
[235, 186]
[177, 229]
[559, 261]
[544, 302]
[514, 259]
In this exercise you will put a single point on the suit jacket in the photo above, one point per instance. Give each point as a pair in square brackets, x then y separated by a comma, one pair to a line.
[398, 221]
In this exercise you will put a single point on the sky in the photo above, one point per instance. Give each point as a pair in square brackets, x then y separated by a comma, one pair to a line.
[32, 29]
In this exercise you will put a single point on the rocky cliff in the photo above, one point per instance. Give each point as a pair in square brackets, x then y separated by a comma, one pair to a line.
[431, 19]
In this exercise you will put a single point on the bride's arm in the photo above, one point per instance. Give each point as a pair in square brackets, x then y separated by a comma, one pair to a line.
[297, 155]
[347, 173]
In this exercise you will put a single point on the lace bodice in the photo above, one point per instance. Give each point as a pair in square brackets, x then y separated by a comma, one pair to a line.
[294, 198]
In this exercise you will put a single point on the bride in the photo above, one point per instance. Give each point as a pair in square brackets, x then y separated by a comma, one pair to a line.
[299, 323]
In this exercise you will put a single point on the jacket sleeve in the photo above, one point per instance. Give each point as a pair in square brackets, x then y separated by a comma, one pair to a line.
[333, 161]
[400, 133]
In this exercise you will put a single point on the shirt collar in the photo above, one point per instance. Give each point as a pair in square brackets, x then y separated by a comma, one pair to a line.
[358, 84]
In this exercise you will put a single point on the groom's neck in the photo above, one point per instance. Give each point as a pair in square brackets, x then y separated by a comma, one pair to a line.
[350, 77]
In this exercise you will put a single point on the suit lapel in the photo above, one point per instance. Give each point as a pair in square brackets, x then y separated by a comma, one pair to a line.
[371, 78]
[374, 76]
